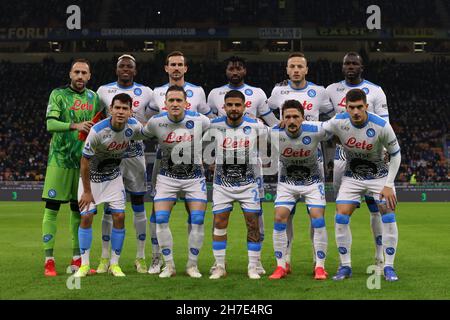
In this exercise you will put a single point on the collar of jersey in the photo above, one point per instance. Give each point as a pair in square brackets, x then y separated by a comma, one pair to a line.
[236, 88]
[112, 128]
[75, 91]
[176, 121]
[125, 88]
[300, 89]
[354, 85]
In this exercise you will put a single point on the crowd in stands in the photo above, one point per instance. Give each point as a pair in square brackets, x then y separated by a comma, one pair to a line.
[417, 94]
[219, 13]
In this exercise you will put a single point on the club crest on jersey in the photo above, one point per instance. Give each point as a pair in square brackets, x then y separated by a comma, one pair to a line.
[137, 91]
[129, 132]
[247, 130]
[189, 93]
[52, 193]
[306, 140]
[370, 132]
[312, 93]
[248, 92]
[366, 90]
[189, 124]
[90, 95]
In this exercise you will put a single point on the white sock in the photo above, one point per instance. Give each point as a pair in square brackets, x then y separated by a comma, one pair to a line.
[290, 237]
[165, 241]
[85, 257]
[140, 224]
[311, 237]
[114, 258]
[107, 224]
[343, 238]
[156, 252]
[253, 258]
[219, 251]
[390, 238]
[377, 231]
[280, 243]
[320, 246]
[196, 237]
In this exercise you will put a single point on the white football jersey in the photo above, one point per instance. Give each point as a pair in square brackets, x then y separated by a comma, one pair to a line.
[195, 96]
[363, 145]
[375, 97]
[314, 99]
[176, 138]
[106, 148]
[235, 151]
[255, 100]
[298, 162]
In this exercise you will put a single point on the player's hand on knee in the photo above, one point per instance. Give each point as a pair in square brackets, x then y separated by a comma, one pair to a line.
[86, 199]
[389, 195]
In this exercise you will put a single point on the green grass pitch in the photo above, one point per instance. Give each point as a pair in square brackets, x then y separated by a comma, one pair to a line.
[422, 260]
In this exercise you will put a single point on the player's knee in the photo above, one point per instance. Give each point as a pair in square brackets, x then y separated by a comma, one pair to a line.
[197, 216]
[51, 205]
[118, 220]
[280, 219]
[388, 217]
[162, 216]
[74, 206]
[318, 222]
[342, 218]
[137, 199]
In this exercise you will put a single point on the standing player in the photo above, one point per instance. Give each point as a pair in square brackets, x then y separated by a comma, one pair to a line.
[299, 175]
[255, 107]
[133, 166]
[363, 136]
[101, 179]
[315, 101]
[179, 134]
[352, 68]
[70, 110]
[176, 67]
[235, 180]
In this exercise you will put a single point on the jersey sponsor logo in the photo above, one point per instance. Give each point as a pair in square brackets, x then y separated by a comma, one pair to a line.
[248, 92]
[247, 130]
[137, 91]
[370, 132]
[52, 193]
[312, 93]
[343, 103]
[363, 145]
[118, 146]
[172, 137]
[284, 92]
[340, 89]
[189, 124]
[189, 93]
[230, 143]
[129, 132]
[306, 140]
[307, 106]
[112, 90]
[290, 152]
[248, 104]
[165, 125]
[366, 90]
[78, 105]
[136, 103]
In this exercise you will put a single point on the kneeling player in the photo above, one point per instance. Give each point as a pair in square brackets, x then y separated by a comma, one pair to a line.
[101, 179]
[363, 136]
[235, 180]
[299, 175]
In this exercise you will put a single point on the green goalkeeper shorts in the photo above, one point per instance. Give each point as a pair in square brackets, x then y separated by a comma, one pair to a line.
[61, 184]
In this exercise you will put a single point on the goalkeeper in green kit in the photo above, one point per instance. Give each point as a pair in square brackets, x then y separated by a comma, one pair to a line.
[69, 114]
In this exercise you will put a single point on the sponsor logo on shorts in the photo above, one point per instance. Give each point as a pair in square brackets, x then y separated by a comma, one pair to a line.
[248, 92]
[306, 140]
[189, 93]
[129, 132]
[312, 93]
[189, 124]
[52, 193]
[137, 91]
[370, 132]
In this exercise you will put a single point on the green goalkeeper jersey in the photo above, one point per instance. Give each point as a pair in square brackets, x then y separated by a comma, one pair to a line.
[69, 106]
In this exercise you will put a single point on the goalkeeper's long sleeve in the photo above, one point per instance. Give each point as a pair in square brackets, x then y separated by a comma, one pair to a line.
[54, 125]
